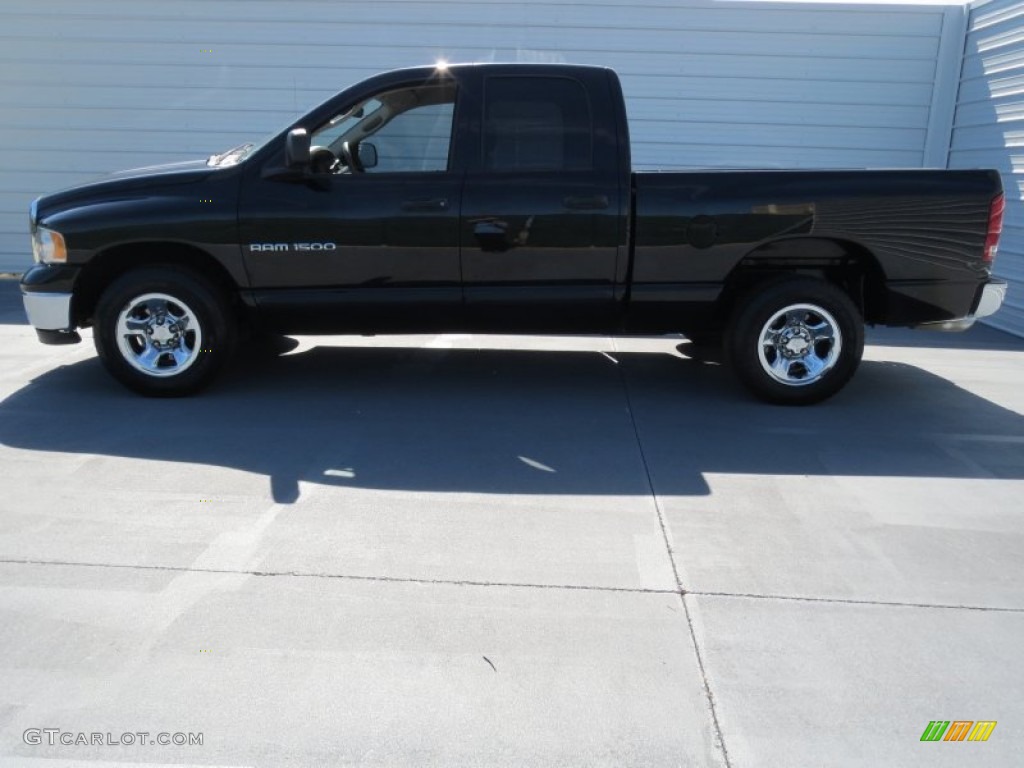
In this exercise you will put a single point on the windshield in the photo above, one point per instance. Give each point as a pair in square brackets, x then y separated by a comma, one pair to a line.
[237, 154]
[341, 124]
[232, 156]
[336, 128]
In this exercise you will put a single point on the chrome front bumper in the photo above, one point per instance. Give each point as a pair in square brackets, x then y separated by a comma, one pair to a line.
[48, 311]
[992, 296]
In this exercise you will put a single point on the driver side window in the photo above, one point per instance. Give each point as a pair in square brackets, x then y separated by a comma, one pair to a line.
[416, 140]
[410, 128]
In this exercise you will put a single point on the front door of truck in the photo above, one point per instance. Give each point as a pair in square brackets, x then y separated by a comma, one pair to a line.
[541, 213]
[370, 241]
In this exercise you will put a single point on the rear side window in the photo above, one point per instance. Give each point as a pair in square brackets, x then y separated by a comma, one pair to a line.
[537, 124]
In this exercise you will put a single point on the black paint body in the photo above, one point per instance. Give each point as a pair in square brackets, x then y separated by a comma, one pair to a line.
[598, 250]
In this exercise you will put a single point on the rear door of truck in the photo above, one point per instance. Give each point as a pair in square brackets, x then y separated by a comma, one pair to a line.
[543, 202]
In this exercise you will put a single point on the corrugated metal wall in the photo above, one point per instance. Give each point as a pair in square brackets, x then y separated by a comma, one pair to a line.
[989, 131]
[87, 88]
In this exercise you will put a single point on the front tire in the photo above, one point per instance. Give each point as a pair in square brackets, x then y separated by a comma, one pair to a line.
[163, 331]
[796, 341]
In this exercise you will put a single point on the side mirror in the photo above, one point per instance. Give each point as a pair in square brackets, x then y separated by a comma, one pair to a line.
[367, 154]
[296, 149]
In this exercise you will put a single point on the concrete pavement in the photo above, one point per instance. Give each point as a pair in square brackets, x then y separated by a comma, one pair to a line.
[512, 551]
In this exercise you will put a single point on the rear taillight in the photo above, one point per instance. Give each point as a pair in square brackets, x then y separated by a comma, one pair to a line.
[995, 227]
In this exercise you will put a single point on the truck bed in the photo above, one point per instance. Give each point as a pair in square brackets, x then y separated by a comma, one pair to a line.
[921, 231]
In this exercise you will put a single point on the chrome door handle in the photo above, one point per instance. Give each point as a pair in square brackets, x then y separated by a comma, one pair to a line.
[432, 204]
[586, 203]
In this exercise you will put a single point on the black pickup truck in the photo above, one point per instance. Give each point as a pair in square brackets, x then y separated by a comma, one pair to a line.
[500, 198]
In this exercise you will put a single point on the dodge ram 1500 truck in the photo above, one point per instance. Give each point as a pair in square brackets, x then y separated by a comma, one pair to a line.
[500, 198]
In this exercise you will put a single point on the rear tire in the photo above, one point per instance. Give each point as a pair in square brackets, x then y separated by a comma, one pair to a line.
[795, 341]
[163, 331]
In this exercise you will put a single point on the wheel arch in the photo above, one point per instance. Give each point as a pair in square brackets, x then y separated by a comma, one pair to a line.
[846, 263]
[110, 263]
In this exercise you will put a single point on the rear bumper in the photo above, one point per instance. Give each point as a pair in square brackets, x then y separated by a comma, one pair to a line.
[989, 300]
[993, 294]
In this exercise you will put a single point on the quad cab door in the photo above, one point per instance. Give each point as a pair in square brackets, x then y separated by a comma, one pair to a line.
[369, 239]
[543, 213]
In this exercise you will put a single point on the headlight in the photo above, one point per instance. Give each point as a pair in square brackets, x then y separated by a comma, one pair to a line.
[48, 246]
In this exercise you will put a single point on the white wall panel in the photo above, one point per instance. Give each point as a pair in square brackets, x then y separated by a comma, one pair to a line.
[87, 88]
[988, 131]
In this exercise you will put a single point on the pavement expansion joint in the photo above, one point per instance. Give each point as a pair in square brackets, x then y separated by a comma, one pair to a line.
[705, 683]
[855, 601]
[681, 592]
[345, 576]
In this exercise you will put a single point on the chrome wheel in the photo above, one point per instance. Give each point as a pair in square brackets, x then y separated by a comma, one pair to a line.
[799, 344]
[158, 335]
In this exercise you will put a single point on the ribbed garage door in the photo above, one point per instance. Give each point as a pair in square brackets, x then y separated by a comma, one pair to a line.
[87, 88]
[989, 131]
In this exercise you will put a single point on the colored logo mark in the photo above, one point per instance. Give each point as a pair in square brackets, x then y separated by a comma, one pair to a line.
[958, 730]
